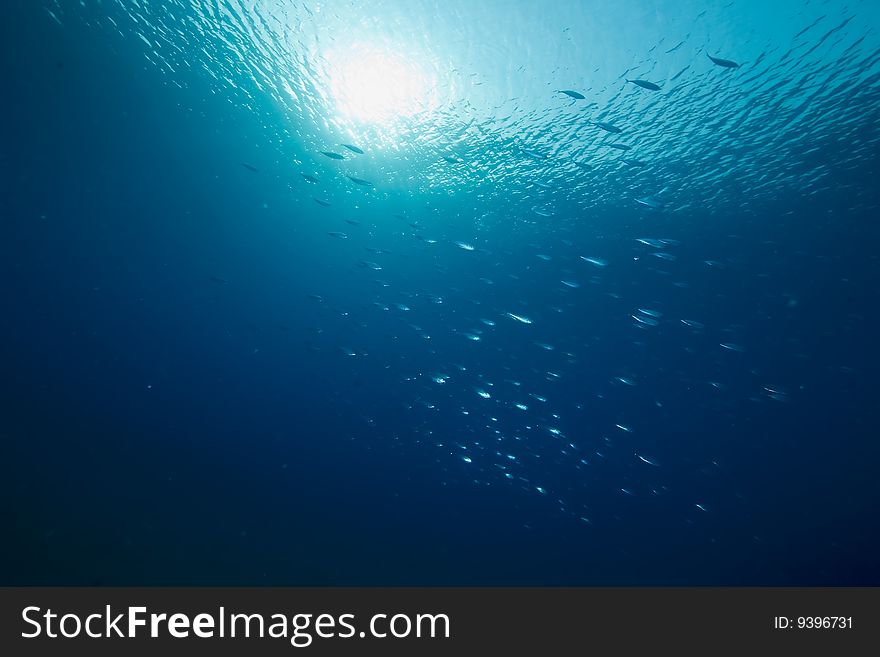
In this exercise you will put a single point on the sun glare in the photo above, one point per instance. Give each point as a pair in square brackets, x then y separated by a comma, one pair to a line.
[373, 86]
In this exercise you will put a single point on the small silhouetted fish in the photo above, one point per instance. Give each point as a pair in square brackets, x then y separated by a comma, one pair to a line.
[218, 279]
[452, 159]
[360, 181]
[341, 236]
[573, 94]
[599, 262]
[310, 178]
[645, 321]
[353, 149]
[332, 155]
[353, 222]
[250, 167]
[651, 202]
[535, 154]
[634, 163]
[726, 63]
[620, 147]
[582, 165]
[607, 126]
[644, 84]
[320, 202]
[520, 318]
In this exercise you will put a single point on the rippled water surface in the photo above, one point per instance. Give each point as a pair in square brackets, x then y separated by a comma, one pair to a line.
[479, 82]
[459, 292]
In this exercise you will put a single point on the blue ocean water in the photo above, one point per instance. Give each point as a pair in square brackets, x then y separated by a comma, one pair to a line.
[408, 292]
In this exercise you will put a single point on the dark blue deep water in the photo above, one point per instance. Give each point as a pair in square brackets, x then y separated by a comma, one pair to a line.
[500, 350]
